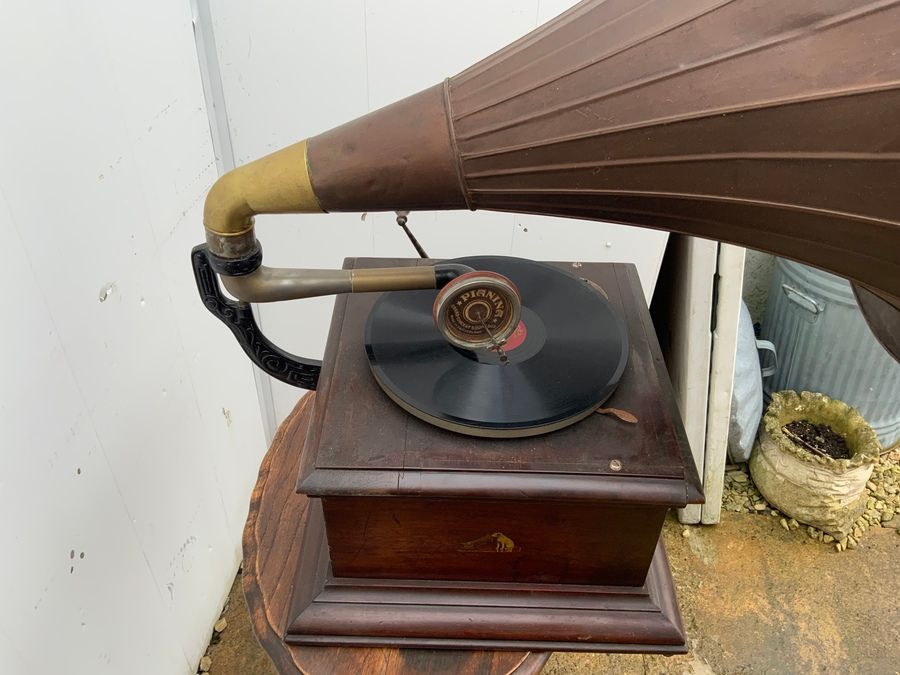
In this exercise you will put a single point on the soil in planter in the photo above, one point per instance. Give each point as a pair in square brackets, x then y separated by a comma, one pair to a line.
[817, 439]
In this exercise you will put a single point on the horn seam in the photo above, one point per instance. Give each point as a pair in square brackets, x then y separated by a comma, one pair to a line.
[454, 148]
[677, 159]
[587, 64]
[528, 40]
[687, 117]
[609, 216]
[811, 210]
[477, 90]
[757, 46]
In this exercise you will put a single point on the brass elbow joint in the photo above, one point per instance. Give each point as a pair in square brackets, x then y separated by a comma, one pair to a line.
[228, 218]
[276, 183]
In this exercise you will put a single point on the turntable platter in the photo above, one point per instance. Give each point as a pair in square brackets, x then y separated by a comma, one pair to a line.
[564, 360]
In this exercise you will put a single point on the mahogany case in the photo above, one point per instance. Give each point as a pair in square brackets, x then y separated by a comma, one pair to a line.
[439, 539]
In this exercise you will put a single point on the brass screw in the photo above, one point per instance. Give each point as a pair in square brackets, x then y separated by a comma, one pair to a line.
[615, 464]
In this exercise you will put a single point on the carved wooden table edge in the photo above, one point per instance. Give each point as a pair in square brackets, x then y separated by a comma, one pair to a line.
[274, 527]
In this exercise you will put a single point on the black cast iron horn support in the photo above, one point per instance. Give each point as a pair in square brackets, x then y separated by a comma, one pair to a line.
[238, 314]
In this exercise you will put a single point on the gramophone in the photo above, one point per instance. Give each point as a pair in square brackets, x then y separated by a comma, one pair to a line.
[766, 124]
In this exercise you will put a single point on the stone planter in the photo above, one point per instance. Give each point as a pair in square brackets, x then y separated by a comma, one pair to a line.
[827, 493]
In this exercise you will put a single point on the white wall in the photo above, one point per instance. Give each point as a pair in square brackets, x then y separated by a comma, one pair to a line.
[130, 420]
[294, 68]
[130, 427]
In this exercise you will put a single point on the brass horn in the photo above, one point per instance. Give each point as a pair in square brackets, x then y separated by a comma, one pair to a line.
[774, 125]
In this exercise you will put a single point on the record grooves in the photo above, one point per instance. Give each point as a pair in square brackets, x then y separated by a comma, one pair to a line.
[564, 361]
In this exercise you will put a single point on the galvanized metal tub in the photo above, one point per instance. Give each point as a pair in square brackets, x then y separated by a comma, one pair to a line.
[824, 345]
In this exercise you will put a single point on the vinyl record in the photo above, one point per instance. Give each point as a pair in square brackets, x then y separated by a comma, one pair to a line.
[565, 359]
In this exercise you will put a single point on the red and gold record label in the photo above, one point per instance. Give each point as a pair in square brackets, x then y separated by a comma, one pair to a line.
[517, 338]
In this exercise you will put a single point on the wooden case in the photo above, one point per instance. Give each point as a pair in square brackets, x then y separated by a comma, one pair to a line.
[428, 538]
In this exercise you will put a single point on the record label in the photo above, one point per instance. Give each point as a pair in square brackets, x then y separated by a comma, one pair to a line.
[477, 309]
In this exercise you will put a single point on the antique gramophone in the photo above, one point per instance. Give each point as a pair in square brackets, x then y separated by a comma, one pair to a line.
[767, 124]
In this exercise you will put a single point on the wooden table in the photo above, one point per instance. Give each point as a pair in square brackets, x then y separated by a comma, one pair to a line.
[272, 539]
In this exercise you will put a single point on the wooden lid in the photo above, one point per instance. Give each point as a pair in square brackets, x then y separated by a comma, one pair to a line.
[362, 444]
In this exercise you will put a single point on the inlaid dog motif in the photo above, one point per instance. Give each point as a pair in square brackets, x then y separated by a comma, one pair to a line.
[496, 542]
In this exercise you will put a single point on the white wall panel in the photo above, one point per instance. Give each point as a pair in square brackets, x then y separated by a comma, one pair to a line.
[129, 449]
[320, 64]
[62, 500]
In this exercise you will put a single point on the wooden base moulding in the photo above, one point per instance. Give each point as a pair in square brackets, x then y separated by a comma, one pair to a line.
[328, 610]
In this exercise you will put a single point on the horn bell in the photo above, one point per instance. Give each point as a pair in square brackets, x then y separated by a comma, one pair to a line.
[767, 124]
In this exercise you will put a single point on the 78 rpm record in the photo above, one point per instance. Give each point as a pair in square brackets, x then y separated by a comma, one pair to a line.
[562, 362]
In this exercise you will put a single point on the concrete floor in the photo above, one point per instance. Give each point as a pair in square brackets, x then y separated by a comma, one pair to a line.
[754, 598]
